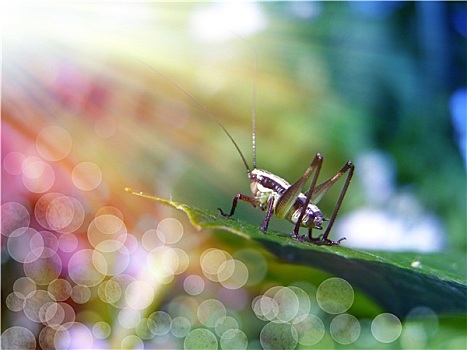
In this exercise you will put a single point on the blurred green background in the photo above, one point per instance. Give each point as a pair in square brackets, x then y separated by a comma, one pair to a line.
[380, 83]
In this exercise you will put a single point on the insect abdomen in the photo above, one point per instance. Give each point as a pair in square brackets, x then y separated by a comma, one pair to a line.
[313, 217]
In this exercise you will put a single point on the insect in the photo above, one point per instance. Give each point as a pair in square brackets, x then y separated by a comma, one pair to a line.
[275, 195]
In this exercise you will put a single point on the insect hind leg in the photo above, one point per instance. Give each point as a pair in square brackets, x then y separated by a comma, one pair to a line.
[315, 167]
[320, 190]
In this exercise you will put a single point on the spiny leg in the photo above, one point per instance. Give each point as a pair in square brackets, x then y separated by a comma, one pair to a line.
[252, 200]
[321, 241]
[265, 224]
[316, 163]
[321, 190]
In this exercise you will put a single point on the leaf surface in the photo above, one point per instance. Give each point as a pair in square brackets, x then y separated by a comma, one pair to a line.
[397, 281]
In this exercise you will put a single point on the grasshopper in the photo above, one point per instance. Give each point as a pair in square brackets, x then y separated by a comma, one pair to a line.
[275, 195]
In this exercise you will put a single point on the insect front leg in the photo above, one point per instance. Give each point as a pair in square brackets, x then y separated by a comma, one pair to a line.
[252, 200]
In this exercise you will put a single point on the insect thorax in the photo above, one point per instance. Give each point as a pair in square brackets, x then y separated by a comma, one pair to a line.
[264, 182]
[265, 185]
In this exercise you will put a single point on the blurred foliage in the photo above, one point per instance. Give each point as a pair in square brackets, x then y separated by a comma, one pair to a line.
[343, 83]
[339, 78]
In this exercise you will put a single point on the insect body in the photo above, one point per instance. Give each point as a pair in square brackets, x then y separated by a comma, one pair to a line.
[276, 196]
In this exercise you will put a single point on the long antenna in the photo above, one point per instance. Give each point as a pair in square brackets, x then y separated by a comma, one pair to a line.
[253, 102]
[253, 111]
[204, 108]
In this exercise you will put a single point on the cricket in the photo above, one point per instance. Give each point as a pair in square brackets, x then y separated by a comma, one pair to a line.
[274, 195]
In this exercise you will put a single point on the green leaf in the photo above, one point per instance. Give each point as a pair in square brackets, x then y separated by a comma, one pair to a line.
[397, 281]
